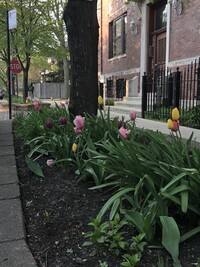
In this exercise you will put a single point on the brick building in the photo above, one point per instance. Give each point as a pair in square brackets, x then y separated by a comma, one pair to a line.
[136, 36]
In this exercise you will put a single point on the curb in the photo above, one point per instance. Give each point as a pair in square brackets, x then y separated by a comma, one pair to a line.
[14, 251]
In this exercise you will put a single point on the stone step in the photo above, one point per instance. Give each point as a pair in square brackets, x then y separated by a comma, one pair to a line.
[133, 99]
[127, 105]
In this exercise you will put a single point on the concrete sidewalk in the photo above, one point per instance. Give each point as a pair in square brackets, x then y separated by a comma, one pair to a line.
[14, 251]
[161, 127]
[4, 113]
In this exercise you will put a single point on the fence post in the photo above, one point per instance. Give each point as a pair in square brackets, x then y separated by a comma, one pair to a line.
[170, 95]
[198, 82]
[144, 94]
[177, 83]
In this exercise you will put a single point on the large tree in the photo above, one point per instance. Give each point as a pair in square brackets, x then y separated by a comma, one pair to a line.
[80, 17]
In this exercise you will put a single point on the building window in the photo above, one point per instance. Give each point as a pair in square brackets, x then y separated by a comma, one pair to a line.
[120, 88]
[159, 21]
[117, 36]
[110, 89]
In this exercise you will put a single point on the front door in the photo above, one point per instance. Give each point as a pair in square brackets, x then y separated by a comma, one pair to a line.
[160, 49]
[157, 35]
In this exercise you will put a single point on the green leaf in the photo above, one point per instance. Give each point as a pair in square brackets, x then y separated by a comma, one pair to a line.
[173, 181]
[104, 185]
[90, 170]
[171, 238]
[114, 209]
[190, 234]
[136, 218]
[87, 243]
[34, 166]
[111, 200]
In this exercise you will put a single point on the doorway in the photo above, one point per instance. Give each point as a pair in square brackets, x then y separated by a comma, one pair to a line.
[157, 36]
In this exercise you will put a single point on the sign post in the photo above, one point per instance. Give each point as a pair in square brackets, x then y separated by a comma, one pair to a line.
[11, 24]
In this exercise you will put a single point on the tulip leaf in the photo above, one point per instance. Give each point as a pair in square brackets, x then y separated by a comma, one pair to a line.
[174, 180]
[111, 200]
[114, 209]
[34, 166]
[171, 238]
[136, 218]
[190, 234]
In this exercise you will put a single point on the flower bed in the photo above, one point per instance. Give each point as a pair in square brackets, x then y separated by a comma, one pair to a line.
[153, 180]
[27, 107]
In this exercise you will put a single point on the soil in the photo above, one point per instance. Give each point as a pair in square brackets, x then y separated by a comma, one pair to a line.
[57, 210]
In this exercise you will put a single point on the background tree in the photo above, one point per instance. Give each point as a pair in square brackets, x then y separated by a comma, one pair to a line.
[34, 35]
[38, 64]
[54, 16]
[3, 68]
[26, 38]
[80, 17]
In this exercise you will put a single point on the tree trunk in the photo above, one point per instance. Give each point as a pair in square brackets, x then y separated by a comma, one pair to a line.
[80, 17]
[66, 76]
[25, 69]
[25, 84]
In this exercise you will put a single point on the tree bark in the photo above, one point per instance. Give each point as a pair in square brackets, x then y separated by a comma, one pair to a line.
[80, 17]
[66, 76]
[25, 68]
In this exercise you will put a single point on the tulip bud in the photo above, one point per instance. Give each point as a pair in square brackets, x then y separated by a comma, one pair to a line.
[74, 147]
[175, 114]
[63, 120]
[170, 124]
[50, 162]
[133, 115]
[100, 100]
[124, 132]
[79, 122]
[49, 124]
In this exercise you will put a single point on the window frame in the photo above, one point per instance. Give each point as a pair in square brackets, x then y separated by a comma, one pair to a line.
[117, 40]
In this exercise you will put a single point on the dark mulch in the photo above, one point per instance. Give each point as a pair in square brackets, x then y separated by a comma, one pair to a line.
[57, 211]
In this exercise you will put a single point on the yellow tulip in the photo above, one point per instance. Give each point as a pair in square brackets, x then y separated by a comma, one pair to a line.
[100, 100]
[175, 114]
[170, 124]
[74, 147]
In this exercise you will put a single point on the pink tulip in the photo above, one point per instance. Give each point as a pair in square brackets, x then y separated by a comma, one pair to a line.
[63, 120]
[36, 105]
[79, 122]
[50, 162]
[77, 130]
[49, 124]
[124, 132]
[176, 125]
[133, 115]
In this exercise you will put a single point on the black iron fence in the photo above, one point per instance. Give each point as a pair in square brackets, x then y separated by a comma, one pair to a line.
[166, 89]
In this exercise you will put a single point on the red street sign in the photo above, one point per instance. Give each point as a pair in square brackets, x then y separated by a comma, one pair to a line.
[15, 66]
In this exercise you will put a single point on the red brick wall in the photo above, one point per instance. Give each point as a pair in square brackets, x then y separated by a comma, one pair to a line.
[131, 59]
[185, 32]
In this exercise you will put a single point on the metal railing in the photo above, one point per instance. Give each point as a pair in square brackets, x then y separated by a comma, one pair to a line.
[162, 91]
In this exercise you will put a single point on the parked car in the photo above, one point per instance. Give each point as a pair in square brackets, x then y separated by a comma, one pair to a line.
[1, 93]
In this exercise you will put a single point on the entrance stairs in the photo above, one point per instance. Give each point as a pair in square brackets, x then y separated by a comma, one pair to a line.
[127, 105]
